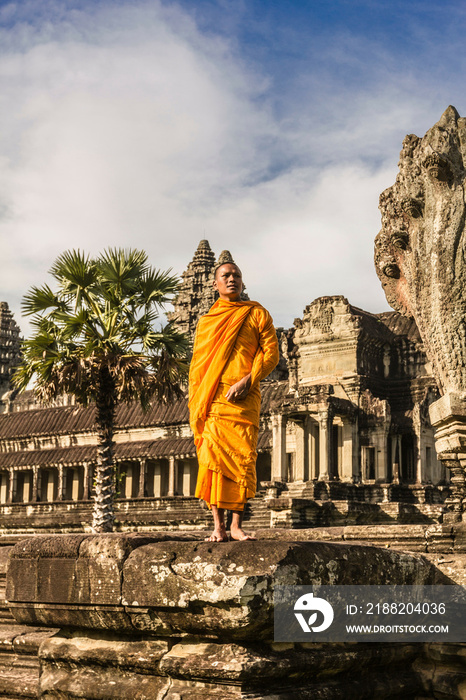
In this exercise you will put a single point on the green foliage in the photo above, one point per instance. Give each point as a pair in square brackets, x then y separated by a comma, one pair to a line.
[102, 318]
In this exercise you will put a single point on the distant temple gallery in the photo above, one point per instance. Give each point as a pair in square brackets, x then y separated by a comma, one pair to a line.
[344, 437]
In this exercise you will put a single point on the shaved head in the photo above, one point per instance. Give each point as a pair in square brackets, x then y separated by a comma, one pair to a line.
[219, 267]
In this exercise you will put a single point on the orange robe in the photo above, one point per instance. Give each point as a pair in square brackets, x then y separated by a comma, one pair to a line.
[234, 339]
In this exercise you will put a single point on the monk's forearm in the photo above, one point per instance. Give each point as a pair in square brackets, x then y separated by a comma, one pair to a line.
[270, 362]
[239, 390]
[270, 355]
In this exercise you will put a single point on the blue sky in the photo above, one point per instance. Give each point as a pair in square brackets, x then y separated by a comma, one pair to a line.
[269, 128]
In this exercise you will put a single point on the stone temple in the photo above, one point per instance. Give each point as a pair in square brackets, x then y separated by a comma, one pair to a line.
[347, 460]
[345, 435]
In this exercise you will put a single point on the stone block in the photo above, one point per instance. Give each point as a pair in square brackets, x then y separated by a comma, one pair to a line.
[251, 664]
[99, 617]
[42, 568]
[128, 583]
[70, 569]
[106, 651]
[19, 665]
[452, 404]
[19, 676]
[443, 680]
[59, 681]
[228, 589]
[30, 641]
[194, 620]
[22, 579]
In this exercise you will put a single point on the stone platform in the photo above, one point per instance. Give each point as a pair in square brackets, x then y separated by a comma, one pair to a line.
[168, 615]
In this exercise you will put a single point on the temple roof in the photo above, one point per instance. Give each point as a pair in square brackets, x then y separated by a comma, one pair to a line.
[140, 449]
[72, 456]
[65, 420]
[388, 324]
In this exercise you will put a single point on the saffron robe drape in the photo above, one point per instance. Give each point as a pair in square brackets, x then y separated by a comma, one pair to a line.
[234, 339]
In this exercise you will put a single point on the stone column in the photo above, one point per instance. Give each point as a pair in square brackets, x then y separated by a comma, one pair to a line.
[12, 486]
[158, 479]
[128, 481]
[301, 470]
[86, 489]
[381, 465]
[35, 484]
[417, 424]
[22, 491]
[349, 462]
[312, 431]
[172, 466]
[448, 416]
[420, 448]
[325, 444]
[186, 479]
[278, 447]
[61, 482]
[142, 477]
[4, 481]
[75, 484]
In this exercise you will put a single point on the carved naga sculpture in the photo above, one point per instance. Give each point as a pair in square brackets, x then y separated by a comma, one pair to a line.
[420, 251]
[420, 257]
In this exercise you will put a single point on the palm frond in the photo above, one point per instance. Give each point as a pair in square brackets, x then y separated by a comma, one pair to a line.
[157, 287]
[74, 269]
[39, 299]
[166, 381]
[170, 340]
[121, 269]
[78, 325]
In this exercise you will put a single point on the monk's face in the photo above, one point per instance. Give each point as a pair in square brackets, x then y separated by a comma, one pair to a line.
[229, 282]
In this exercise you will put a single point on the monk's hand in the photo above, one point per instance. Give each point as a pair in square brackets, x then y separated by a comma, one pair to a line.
[240, 390]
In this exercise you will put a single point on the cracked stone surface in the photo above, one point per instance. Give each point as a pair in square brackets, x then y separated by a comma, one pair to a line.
[172, 588]
[144, 617]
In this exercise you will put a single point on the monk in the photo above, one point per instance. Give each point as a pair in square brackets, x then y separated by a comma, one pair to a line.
[235, 347]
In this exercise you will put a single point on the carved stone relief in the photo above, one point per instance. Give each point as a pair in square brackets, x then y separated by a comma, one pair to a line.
[419, 253]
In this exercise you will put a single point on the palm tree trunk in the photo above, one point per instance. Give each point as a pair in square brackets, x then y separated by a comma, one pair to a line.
[103, 514]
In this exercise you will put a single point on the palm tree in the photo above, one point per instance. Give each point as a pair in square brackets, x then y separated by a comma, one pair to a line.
[94, 338]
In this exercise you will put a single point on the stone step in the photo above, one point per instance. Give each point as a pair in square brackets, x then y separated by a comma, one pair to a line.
[287, 511]
[6, 618]
[256, 513]
[366, 493]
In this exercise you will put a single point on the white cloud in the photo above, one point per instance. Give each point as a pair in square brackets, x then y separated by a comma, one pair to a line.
[126, 125]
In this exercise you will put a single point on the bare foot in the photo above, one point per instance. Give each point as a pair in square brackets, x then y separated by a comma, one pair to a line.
[240, 535]
[217, 536]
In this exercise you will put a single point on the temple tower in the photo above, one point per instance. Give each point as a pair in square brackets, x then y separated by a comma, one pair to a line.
[10, 343]
[196, 295]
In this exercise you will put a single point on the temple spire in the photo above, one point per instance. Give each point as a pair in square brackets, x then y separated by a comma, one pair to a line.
[196, 294]
[10, 343]
[225, 257]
